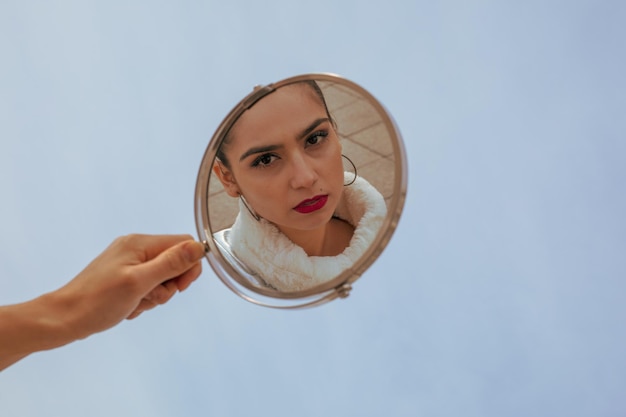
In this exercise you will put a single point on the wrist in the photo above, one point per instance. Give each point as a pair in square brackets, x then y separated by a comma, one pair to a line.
[54, 319]
[35, 325]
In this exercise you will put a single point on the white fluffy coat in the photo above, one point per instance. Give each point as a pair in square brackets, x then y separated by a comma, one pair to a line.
[284, 265]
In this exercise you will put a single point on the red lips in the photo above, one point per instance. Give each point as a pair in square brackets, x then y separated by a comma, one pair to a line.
[312, 204]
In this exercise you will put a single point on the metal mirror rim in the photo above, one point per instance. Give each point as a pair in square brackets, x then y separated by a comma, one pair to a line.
[337, 287]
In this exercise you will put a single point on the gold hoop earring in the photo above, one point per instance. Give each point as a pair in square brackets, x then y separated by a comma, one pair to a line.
[252, 212]
[353, 167]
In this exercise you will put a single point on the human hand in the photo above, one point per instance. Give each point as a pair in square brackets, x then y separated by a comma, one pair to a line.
[134, 274]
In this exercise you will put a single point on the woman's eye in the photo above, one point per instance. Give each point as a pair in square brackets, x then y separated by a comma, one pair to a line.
[316, 137]
[263, 160]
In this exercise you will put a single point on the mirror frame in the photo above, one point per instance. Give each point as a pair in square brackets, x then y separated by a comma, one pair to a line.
[339, 286]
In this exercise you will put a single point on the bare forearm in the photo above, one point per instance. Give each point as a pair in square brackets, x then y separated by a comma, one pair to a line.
[30, 327]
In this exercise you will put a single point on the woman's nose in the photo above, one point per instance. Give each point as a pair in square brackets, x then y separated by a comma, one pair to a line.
[303, 173]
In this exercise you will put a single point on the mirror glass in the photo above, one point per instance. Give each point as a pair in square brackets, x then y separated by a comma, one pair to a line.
[300, 190]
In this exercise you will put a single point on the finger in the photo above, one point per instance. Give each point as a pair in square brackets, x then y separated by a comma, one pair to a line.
[134, 315]
[185, 280]
[171, 285]
[144, 305]
[161, 294]
[171, 263]
[156, 244]
[149, 246]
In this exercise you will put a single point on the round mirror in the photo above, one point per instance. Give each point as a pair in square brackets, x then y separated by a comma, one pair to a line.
[299, 191]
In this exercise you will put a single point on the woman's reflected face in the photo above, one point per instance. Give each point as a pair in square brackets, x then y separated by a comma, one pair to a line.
[285, 159]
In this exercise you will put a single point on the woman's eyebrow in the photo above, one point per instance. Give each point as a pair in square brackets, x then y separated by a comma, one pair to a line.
[259, 149]
[269, 148]
[313, 125]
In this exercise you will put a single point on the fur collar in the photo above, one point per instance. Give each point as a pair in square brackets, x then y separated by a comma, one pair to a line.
[284, 265]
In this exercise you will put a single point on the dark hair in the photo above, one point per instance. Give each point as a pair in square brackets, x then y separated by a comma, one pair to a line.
[227, 137]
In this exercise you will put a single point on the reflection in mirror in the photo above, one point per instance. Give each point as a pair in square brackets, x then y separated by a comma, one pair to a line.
[300, 185]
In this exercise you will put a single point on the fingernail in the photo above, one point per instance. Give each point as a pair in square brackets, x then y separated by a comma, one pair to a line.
[192, 251]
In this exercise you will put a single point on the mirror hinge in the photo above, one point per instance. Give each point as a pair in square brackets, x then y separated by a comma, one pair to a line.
[344, 290]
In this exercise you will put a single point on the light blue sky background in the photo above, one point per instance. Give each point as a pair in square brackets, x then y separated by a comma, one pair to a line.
[501, 294]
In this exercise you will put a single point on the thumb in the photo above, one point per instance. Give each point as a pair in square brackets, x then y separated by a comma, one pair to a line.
[172, 262]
